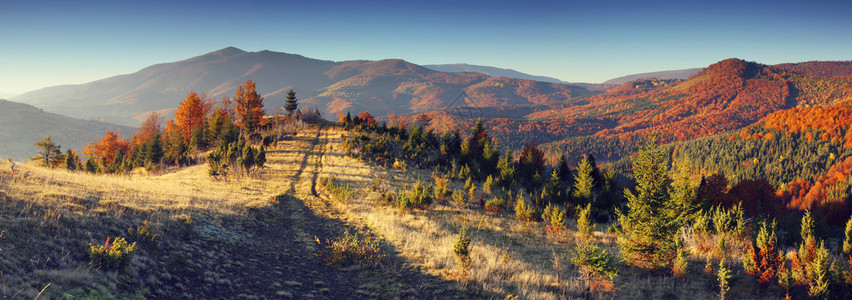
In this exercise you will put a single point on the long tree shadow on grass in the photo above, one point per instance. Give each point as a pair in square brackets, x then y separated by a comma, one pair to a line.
[262, 251]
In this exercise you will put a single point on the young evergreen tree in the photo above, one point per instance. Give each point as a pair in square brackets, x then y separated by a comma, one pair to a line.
[684, 195]
[564, 171]
[584, 182]
[507, 170]
[290, 102]
[154, 152]
[649, 226]
[72, 161]
[49, 153]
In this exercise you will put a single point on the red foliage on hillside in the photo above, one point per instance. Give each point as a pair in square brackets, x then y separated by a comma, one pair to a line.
[829, 123]
[727, 95]
[830, 69]
[106, 150]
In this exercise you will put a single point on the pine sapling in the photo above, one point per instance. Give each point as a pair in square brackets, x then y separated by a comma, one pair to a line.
[585, 222]
[462, 248]
[723, 276]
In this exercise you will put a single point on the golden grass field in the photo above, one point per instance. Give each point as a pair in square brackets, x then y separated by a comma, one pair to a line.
[60, 212]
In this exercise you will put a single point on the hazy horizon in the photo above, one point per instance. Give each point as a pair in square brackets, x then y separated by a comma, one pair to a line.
[47, 43]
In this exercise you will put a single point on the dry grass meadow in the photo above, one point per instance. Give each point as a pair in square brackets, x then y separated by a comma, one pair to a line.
[252, 237]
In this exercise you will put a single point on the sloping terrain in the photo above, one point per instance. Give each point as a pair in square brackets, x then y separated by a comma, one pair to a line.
[242, 238]
[22, 125]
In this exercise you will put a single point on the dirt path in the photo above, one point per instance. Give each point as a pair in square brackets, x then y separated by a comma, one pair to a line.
[280, 262]
[226, 238]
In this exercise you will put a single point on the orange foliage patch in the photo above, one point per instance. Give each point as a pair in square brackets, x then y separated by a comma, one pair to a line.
[105, 150]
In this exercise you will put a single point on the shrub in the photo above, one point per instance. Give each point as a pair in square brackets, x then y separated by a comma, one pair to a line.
[554, 215]
[441, 189]
[144, 235]
[729, 221]
[459, 197]
[597, 266]
[420, 195]
[462, 248]
[762, 260]
[341, 193]
[585, 223]
[488, 185]
[495, 204]
[708, 266]
[819, 272]
[349, 249]
[524, 211]
[723, 276]
[115, 255]
[680, 262]
[400, 164]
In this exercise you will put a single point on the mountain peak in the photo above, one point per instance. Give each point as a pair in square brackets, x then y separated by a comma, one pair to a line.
[227, 51]
[733, 67]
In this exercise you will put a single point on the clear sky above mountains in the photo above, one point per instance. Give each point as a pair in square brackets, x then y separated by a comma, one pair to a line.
[44, 43]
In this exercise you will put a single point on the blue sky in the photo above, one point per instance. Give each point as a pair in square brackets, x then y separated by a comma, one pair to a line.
[44, 43]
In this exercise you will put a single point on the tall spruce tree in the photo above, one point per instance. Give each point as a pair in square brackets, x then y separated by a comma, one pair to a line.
[290, 102]
[648, 228]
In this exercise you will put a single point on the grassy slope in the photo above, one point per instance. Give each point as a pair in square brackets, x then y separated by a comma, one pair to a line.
[245, 240]
[247, 237]
[509, 257]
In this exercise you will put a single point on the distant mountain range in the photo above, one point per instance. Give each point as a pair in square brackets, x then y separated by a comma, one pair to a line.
[673, 74]
[382, 87]
[21, 125]
[499, 72]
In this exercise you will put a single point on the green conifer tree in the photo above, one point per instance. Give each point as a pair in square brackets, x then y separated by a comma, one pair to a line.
[649, 226]
[290, 102]
[584, 182]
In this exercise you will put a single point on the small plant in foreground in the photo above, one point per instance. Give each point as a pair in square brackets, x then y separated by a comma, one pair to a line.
[680, 262]
[144, 235]
[115, 255]
[495, 205]
[341, 193]
[554, 215]
[597, 265]
[441, 189]
[459, 197]
[462, 248]
[349, 249]
[762, 260]
[724, 275]
[524, 211]
[585, 222]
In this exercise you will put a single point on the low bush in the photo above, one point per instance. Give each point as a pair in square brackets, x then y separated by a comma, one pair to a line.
[112, 256]
[144, 235]
[459, 197]
[597, 266]
[524, 211]
[554, 215]
[462, 248]
[585, 223]
[349, 249]
[341, 193]
[495, 205]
